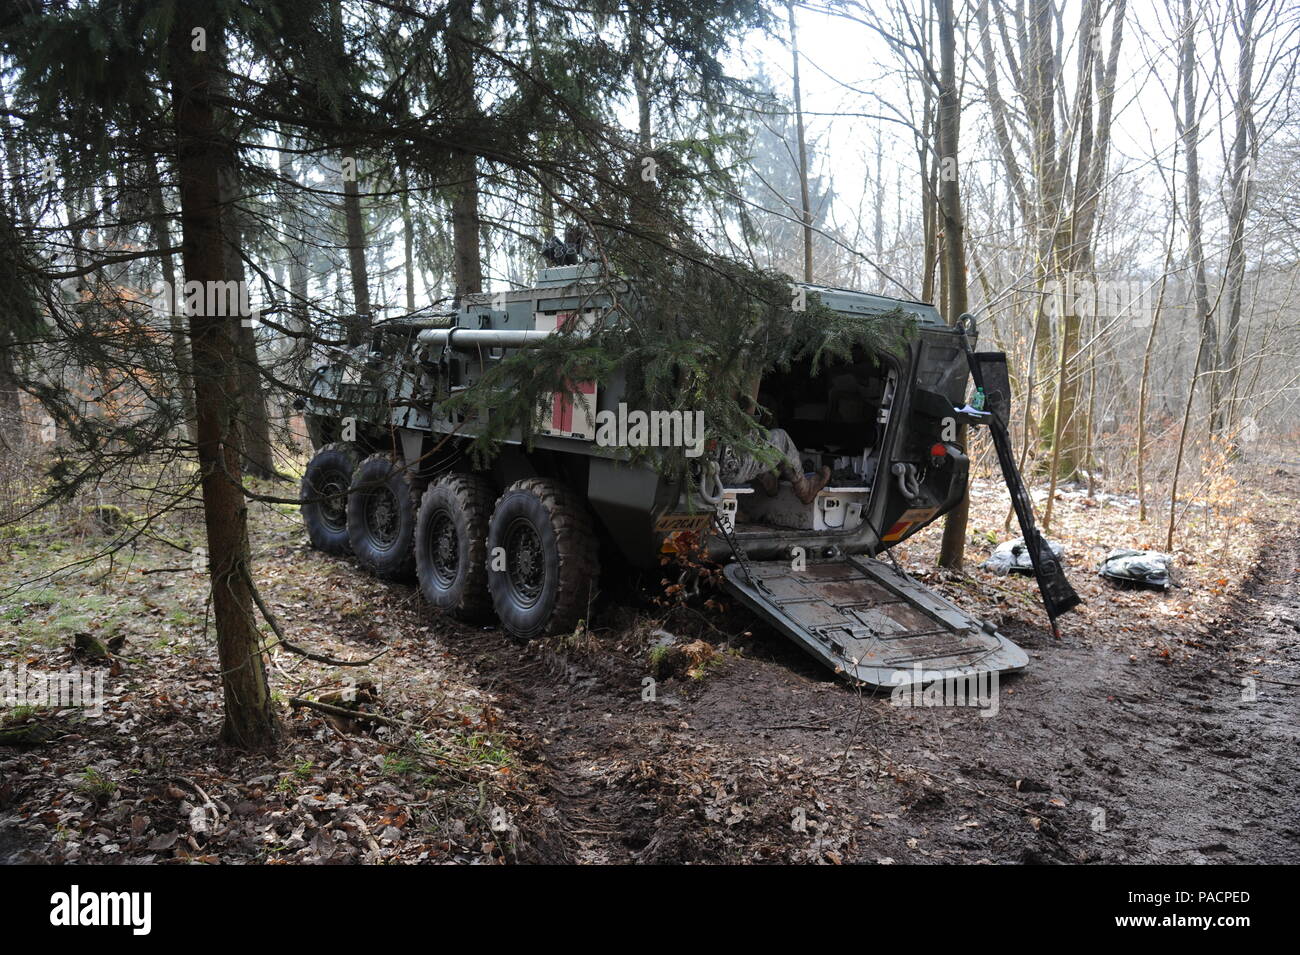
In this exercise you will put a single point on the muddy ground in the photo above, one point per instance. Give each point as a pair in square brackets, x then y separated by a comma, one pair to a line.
[1100, 752]
[1158, 728]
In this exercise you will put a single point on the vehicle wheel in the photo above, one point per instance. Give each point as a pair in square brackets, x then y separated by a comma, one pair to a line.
[543, 576]
[451, 545]
[324, 496]
[381, 516]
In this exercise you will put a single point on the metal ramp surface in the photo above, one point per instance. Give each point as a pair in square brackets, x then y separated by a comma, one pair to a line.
[871, 622]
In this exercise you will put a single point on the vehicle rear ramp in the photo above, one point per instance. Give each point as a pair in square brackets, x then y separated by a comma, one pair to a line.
[870, 621]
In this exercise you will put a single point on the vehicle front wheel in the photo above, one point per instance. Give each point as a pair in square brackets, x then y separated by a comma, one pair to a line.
[381, 516]
[451, 545]
[542, 559]
[324, 502]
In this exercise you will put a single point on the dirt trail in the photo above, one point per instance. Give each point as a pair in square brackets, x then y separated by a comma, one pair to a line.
[1093, 756]
[1137, 746]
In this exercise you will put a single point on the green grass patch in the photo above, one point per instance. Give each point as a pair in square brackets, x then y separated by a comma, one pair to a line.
[96, 785]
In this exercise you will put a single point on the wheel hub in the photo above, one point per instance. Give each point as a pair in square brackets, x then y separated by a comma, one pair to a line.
[444, 549]
[333, 504]
[525, 562]
[381, 516]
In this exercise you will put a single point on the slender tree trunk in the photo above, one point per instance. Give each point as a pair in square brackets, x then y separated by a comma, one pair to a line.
[929, 194]
[1144, 388]
[296, 241]
[1040, 103]
[408, 242]
[254, 421]
[180, 346]
[643, 211]
[1201, 352]
[1029, 427]
[878, 232]
[355, 224]
[536, 65]
[11, 422]
[251, 415]
[354, 221]
[952, 550]
[250, 721]
[1094, 334]
[467, 256]
[1239, 181]
[805, 204]
[10, 404]
[21, 206]
[1062, 369]
[1190, 128]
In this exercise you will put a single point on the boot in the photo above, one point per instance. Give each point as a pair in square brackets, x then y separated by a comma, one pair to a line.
[769, 483]
[807, 488]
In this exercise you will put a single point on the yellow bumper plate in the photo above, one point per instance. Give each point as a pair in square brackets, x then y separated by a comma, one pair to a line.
[671, 523]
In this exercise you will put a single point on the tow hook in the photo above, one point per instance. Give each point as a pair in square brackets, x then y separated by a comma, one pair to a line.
[908, 483]
[710, 487]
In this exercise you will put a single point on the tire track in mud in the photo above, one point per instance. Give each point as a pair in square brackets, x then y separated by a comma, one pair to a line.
[1093, 756]
[577, 714]
[1138, 761]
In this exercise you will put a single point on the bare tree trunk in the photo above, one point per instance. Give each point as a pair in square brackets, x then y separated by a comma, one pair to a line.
[408, 241]
[354, 222]
[180, 346]
[467, 258]
[1144, 388]
[643, 214]
[1189, 126]
[952, 550]
[1239, 182]
[250, 721]
[251, 415]
[1062, 369]
[22, 212]
[1182, 438]
[1094, 334]
[254, 422]
[804, 201]
[878, 232]
[11, 406]
[929, 193]
[1039, 102]
[295, 239]
[545, 187]
[1029, 428]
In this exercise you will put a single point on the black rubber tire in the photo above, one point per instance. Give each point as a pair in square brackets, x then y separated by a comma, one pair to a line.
[454, 512]
[329, 473]
[550, 592]
[382, 503]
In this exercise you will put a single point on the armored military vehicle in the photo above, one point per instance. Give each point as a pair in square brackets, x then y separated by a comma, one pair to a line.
[527, 537]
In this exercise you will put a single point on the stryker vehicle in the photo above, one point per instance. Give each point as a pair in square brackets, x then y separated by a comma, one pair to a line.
[526, 538]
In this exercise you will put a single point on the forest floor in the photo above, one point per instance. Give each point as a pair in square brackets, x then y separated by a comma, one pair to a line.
[1159, 727]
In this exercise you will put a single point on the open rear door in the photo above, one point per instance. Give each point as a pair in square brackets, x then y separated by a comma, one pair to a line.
[871, 621]
[989, 369]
